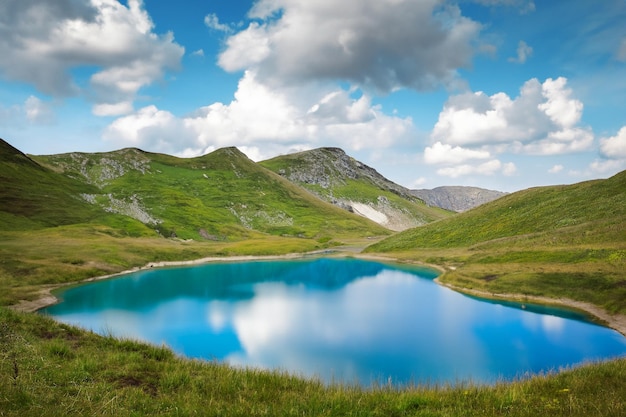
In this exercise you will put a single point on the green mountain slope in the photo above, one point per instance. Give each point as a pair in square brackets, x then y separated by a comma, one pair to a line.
[345, 182]
[596, 209]
[219, 196]
[557, 242]
[34, 197]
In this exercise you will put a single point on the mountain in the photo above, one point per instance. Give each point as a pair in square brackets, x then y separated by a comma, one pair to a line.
[219, 196]
[335, 177]
[589, 212]
[33, 197]
[457, 198]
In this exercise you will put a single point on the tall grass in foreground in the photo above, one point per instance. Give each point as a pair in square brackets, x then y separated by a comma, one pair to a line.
[47, 368]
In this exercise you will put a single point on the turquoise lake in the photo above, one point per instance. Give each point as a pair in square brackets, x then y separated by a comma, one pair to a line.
[340, 320]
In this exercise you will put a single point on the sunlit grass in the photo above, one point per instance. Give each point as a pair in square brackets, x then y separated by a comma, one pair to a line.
[30, 260]
[557, 242]
[49, 368]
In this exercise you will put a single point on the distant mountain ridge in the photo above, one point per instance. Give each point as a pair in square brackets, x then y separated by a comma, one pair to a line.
[457, 198]
[335, 177]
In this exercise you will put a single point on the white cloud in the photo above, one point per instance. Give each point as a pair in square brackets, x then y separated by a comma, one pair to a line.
[440, 153]
[544, 119]
[541, 120]
[386, 44]
[44, 41]
[523, 53]
[38, 111]
[556, 169]
[212, 22]
[419, 182]
[487, 168]
[562, 110]
[509, 169]
[149, 128]
[116, 109]
[34, 111]
[614, 147]
[265, 122]
[199, 52]
[605, 167]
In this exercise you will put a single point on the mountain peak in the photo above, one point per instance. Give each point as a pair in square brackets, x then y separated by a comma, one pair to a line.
[457, 198]
[9, 154]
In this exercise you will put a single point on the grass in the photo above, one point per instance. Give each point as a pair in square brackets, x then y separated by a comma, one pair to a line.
[54, 369]
[363, 185]
[53, 256]
[554, 241]
[219, 196]
[565, 241]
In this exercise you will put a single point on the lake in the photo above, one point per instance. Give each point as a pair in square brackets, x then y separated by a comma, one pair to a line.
[339, 320]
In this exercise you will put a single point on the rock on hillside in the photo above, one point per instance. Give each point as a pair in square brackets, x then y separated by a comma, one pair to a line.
[457, 198]
[332, 175]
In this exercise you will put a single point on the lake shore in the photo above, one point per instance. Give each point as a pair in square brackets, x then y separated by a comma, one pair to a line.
[616, 322]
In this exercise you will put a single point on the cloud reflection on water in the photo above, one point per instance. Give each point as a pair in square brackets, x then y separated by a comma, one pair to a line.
[354, 321]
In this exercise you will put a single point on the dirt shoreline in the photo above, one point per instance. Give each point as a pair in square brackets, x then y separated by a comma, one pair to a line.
[616, 322]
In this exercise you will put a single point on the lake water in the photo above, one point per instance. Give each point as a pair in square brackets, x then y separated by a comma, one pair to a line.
[340, 320]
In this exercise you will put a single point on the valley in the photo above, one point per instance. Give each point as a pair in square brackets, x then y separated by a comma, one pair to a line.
[71, 217]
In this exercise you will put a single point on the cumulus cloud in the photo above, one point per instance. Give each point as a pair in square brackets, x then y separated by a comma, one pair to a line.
[441, 153]
[44, 41]
[212, 22]
[265, 122]
[34, 111]
[523, 52]
[385, 44]
[614, 147]
[486, 168]
[542, 120]
[556, 169]
[37, 111]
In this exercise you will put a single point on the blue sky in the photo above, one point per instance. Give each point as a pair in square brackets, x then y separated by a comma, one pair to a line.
[501, 94]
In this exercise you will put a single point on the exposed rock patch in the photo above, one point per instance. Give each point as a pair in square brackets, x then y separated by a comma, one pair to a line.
[327, 172]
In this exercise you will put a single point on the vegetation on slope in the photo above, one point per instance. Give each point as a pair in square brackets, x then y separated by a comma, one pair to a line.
[47, 368]
[219, 196]
[73, 218]
[69, 217]
[337, 178]
[34, 197]
[561, 241]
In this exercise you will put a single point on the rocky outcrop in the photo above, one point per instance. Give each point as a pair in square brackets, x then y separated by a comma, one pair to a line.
[329, 167]
[333, 176]
[457, 198]
[100, 169]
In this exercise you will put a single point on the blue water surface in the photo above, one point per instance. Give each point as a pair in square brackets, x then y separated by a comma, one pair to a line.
[340, 320]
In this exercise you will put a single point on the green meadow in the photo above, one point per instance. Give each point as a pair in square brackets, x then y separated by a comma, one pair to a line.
[66, 218]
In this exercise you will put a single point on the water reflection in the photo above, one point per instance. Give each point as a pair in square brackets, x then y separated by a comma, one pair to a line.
[342, 320]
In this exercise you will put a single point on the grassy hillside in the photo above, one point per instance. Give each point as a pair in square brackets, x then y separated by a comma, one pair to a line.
[337, 178]
[219, 196]
[598, 206]
[34, 197]
[69, 217]
[560, 241]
